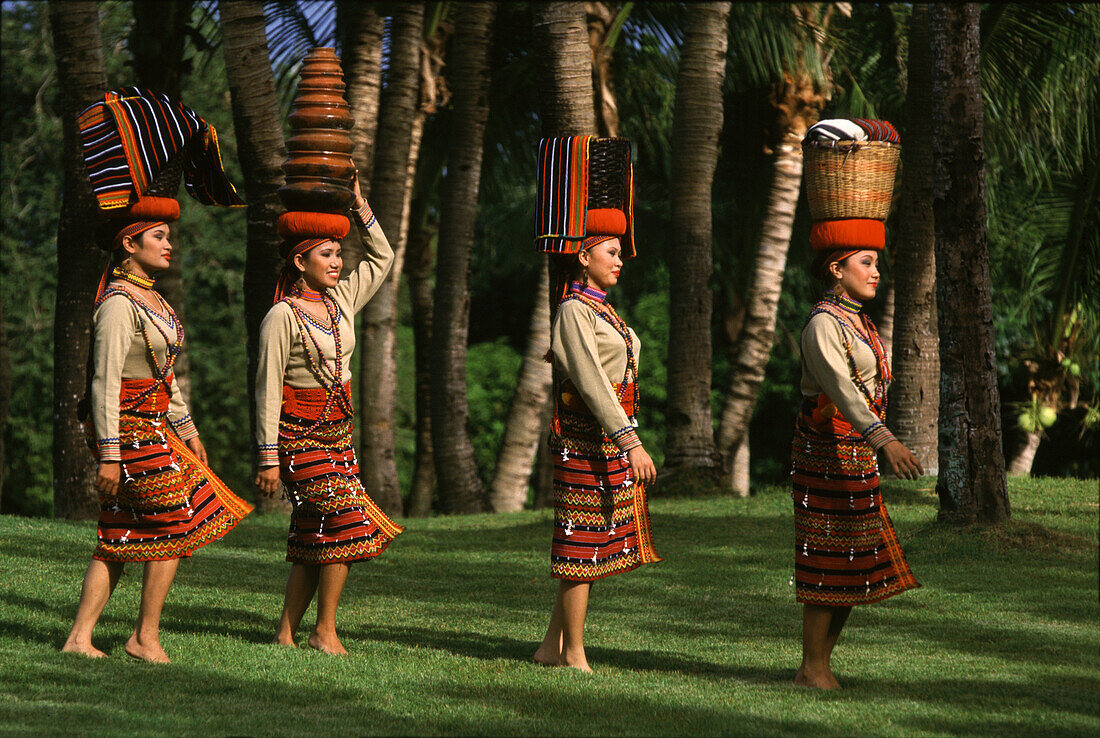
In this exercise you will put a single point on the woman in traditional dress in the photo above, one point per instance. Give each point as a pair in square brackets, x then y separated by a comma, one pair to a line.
[304, 412]
[601, 517]
[159, 502]
[846, 551]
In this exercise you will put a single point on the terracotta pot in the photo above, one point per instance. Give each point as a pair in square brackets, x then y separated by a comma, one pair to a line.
[319, 167]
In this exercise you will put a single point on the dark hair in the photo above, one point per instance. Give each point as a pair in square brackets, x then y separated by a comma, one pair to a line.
[819, 267]
[564, 268]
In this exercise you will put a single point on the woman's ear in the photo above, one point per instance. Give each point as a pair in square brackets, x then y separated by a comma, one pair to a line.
[583, 257]
[299, 262]
[129, 245]
[835, 270]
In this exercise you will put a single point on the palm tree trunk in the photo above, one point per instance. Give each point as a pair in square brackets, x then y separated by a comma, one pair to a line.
[696, 125]
[418, 269]
[565, 69]
[740, 478]
[395, 165]
[971, 482]
[915, 392]
[602, 21]
[157, 42]
[261, 150]
[460, 487]
[526, 421]
[544, 470]
[886, 323]
[81, 81]
[362, 29]
[758, 329]
[1021, 463]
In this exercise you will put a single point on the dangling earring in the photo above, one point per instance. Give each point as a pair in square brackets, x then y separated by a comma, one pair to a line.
[584, 276]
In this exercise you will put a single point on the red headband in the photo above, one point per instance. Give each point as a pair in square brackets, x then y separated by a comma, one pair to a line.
[594, 241]
[132, 230]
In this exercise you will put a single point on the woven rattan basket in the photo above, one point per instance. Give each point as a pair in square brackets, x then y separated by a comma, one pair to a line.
[608, 171]
[850, 179]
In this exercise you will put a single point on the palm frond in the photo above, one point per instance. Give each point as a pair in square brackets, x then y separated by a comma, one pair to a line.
[293, 28]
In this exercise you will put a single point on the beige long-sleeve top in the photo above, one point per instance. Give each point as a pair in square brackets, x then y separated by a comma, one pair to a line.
[121, 353]
[593, 355]
[825, 369]
[283, 359]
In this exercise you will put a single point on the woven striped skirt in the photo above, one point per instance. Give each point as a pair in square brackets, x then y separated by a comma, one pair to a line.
[846, 550]
[334, 521]
[169, 504]
[601, 517]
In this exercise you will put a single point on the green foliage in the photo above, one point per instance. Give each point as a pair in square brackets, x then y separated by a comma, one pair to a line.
[649, 319]
[491, 371]
[441, 630]
[1040, 83]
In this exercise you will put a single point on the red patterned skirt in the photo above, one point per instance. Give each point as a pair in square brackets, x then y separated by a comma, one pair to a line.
[601, 517]
[334, 521]
[169, 504]
[846, 550]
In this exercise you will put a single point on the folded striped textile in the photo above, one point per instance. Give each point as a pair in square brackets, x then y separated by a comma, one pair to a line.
[853, 129]
[562, 185]
[131, 137]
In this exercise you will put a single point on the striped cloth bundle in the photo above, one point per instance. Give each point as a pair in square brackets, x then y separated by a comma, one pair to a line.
[562, 187]
[853, 129]
[131, 137]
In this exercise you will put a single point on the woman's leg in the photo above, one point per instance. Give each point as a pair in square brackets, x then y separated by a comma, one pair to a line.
[99, 582]
[300, 587]
[144, 644]
[330, 585]
[840, 616]
[549, 651]
[574, 605]
[814, 671]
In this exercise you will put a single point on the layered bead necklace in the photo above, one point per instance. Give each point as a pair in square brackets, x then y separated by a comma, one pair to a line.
[335, 392]
[845, 311]
[596, 300]
[174, 345]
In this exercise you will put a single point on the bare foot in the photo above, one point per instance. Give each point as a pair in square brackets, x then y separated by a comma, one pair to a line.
[151, 652]
[84, 649]
[547, 656]
[284, 640]
[329, 644]
[815, 678]
[575, 662]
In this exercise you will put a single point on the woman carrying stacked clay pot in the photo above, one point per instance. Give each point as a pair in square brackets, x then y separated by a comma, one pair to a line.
[303, 390]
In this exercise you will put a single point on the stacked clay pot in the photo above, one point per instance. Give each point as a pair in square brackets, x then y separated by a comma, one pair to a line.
[319, 167]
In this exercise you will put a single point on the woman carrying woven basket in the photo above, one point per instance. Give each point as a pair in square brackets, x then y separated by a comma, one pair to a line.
[304, 413]
[601, 517]
[846, 551]
[159, 502]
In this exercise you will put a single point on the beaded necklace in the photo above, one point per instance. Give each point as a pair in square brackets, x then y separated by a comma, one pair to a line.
[335, 392]
[175, 346]
[132, 278]
[845, 311]
[596, 301]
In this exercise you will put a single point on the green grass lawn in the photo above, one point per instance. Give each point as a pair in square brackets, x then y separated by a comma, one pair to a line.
[1002, 638]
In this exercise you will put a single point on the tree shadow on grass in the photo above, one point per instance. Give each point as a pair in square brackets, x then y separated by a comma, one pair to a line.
[1074, 696]
[489, 647]
[247, 625]
[199, 700]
